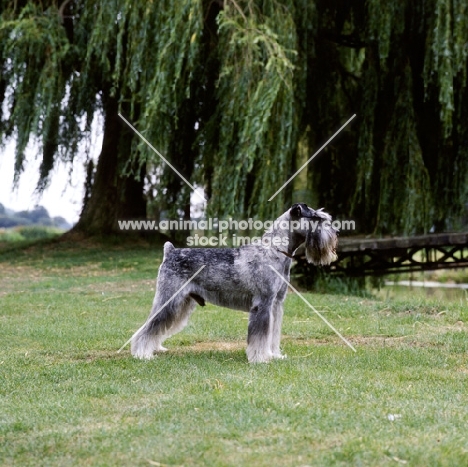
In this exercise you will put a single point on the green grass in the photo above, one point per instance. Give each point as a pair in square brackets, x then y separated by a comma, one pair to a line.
[68, 398]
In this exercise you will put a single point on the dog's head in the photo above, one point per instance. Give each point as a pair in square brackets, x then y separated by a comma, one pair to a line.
[319, 235]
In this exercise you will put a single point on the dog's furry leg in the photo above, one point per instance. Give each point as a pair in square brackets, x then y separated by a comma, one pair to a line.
[260, 333]
[161, 325]
[277, 314]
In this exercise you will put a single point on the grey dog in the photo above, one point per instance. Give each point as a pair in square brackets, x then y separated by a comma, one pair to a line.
[239, 278]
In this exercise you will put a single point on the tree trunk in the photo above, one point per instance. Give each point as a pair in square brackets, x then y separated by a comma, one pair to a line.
[113, 196]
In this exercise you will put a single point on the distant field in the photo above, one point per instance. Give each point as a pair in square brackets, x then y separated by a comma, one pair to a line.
[27, 234]
[68, 398]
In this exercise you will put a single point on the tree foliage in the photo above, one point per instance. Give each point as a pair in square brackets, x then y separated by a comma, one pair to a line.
[412, 151]
[236, 92]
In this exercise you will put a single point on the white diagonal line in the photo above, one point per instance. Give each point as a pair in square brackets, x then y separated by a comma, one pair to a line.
[161, 156]
[312, 157]
[314, 309]
[169, 301]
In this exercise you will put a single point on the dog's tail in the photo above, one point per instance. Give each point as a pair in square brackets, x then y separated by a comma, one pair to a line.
[168, 247]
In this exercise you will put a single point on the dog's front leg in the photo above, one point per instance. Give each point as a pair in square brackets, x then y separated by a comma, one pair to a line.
[277, 315]
[260, 333]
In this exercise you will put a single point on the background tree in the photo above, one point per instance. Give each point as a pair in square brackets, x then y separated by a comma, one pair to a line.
[52, 84]
[237, 94]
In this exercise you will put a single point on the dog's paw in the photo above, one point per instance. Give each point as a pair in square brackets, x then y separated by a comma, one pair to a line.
[259, 357]
[279, 356]
[144, 357]
[260, 360]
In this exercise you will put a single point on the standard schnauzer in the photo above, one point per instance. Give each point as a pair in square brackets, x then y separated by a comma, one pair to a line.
[238, 278]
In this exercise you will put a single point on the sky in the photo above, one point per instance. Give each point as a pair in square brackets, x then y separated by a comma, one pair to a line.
[63, 197]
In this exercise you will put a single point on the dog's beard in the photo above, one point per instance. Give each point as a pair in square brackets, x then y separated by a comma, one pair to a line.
[320, 246]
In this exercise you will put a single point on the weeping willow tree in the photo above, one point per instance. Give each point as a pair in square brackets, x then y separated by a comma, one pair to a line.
[237, 94]
[412, 140]
[63, 63]
[56, 74]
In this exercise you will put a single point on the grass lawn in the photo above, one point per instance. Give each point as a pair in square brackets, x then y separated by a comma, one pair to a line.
[68, 398]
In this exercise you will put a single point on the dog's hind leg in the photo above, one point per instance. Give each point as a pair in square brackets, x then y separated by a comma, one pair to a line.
[166, 319]
[260, 333]
[182, 317]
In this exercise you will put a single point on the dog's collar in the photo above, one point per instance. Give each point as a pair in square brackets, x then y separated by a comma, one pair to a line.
[285, 254]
